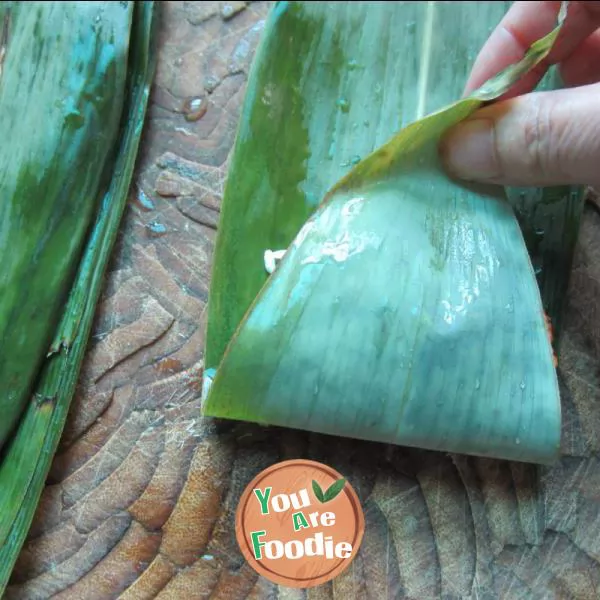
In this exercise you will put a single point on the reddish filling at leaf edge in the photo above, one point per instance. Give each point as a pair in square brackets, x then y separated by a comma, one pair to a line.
[550, 331]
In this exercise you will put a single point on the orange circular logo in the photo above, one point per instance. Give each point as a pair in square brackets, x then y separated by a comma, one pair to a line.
[299, 523]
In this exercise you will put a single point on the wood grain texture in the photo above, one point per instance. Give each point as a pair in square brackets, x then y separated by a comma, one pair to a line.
[141, 498]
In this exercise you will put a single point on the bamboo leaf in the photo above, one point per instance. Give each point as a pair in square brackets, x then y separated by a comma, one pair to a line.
[28, 453]
[406, 308]
[48, 190]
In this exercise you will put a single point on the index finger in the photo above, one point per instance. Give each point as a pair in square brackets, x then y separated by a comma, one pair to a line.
[522, 25]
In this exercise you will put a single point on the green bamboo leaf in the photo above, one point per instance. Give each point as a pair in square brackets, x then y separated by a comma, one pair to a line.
[130, 62]
[406, 308]
[320, 496]
[412, 141]
[47, 188]
[334, 490]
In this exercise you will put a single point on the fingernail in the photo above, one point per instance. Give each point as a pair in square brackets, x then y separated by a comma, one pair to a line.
[468, 151]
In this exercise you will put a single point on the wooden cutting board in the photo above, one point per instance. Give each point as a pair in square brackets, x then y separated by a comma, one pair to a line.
[141, 498]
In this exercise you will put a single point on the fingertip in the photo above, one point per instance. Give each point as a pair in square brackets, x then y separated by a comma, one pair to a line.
[467, 150]
[539, 139]
[523, 24]
[582, 67]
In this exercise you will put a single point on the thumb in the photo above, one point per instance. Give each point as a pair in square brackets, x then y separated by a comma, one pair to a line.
[539, 139]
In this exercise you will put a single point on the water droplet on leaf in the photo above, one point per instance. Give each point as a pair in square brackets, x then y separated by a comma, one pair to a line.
[74, 119]
[343, 105]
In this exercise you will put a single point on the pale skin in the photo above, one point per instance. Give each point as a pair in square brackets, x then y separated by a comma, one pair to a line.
[535, 138]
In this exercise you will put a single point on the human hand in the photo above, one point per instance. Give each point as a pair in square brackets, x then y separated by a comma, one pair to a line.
[535, 138]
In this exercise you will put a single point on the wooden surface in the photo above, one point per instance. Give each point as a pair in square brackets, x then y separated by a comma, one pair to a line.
[141, 497]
